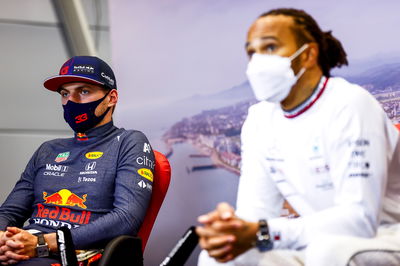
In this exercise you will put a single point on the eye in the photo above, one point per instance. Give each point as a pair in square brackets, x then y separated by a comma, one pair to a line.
[85, 91]
[270, 48]
[64, 94]
[250, 53]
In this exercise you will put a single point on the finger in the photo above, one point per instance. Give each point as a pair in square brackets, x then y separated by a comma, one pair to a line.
[3, 249]
[8, 234]
[23, 236]
[13, 244]
[228, 226]
[14, 256]
[220, 253]
[203, 242]
[218, 242]
[13, 230]
[225, 211]
[207, 232]
[3, 258]
[208, 218]
[198, 230]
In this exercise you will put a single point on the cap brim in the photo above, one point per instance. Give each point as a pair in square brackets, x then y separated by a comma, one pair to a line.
[54, 83]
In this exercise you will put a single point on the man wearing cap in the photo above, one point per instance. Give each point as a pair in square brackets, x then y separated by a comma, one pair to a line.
[97, 183]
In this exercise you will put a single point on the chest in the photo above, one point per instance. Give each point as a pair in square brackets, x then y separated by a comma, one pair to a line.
[72, 176]
[297, 158]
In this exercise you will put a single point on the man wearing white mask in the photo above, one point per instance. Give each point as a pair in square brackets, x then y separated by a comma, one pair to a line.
[319, 142]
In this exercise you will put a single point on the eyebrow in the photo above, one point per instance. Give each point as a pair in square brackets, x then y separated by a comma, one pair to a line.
[80, 87]
[262, 38]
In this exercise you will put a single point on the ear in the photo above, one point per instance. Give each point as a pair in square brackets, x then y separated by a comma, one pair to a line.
[310, 59]
[113, 94]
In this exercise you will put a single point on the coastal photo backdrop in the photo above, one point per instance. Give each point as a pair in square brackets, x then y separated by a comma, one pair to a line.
[180, 68]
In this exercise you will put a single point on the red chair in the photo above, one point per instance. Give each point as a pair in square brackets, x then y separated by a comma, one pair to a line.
[128, 250]
[161, 181]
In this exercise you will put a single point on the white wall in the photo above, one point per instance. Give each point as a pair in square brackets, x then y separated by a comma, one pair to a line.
[31, 49]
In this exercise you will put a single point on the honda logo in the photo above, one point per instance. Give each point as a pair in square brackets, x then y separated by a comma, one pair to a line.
[90, 166]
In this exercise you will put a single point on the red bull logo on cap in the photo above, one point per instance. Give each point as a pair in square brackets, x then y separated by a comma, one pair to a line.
[64, 197]
[65, 68]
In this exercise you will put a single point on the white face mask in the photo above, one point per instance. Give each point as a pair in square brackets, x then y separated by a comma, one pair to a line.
[271, 76]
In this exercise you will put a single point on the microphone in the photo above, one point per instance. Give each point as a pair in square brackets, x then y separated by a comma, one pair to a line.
[182, 250]
[66, 247]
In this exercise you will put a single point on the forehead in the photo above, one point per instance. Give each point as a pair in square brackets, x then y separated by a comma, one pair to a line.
[278, 27]
[77, 85]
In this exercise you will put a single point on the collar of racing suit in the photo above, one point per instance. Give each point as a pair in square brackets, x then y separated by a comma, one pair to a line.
[310, 101]
[95, 132]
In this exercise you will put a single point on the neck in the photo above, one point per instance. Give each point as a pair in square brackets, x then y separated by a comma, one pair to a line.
[303, 89]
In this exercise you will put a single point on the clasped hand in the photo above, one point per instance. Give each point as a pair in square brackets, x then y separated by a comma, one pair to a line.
[224, 235]
[16, 245]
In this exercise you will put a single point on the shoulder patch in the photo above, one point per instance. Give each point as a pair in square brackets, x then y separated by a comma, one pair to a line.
[146, 173]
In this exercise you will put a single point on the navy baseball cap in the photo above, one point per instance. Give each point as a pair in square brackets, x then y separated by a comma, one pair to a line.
[89, 69]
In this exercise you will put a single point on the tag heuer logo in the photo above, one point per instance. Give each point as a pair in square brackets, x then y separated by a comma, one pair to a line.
[62, 157]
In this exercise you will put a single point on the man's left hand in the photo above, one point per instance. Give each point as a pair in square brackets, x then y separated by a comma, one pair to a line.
[18, 245]
[10, 249]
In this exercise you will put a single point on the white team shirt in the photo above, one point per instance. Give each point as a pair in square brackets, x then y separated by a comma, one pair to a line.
[335, 160]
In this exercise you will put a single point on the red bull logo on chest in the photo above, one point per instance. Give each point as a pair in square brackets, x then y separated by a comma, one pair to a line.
[64, 197]
[62, 214]
[55, 215]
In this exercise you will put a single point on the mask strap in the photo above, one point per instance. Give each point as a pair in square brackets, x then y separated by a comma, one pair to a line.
[108, 92]
[301, 72]
[299, 51]
[101, 100]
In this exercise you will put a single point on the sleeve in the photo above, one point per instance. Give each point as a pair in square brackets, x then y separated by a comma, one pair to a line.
[133, 185]
[360, 146]
[17, 208]
[258, 196]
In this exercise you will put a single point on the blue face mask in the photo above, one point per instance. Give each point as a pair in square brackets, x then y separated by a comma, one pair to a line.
[81, 116]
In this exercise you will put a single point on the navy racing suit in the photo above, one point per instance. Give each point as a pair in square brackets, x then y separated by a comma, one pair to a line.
[98, 184]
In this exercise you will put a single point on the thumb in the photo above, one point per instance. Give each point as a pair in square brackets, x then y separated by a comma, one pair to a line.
[225, 211]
